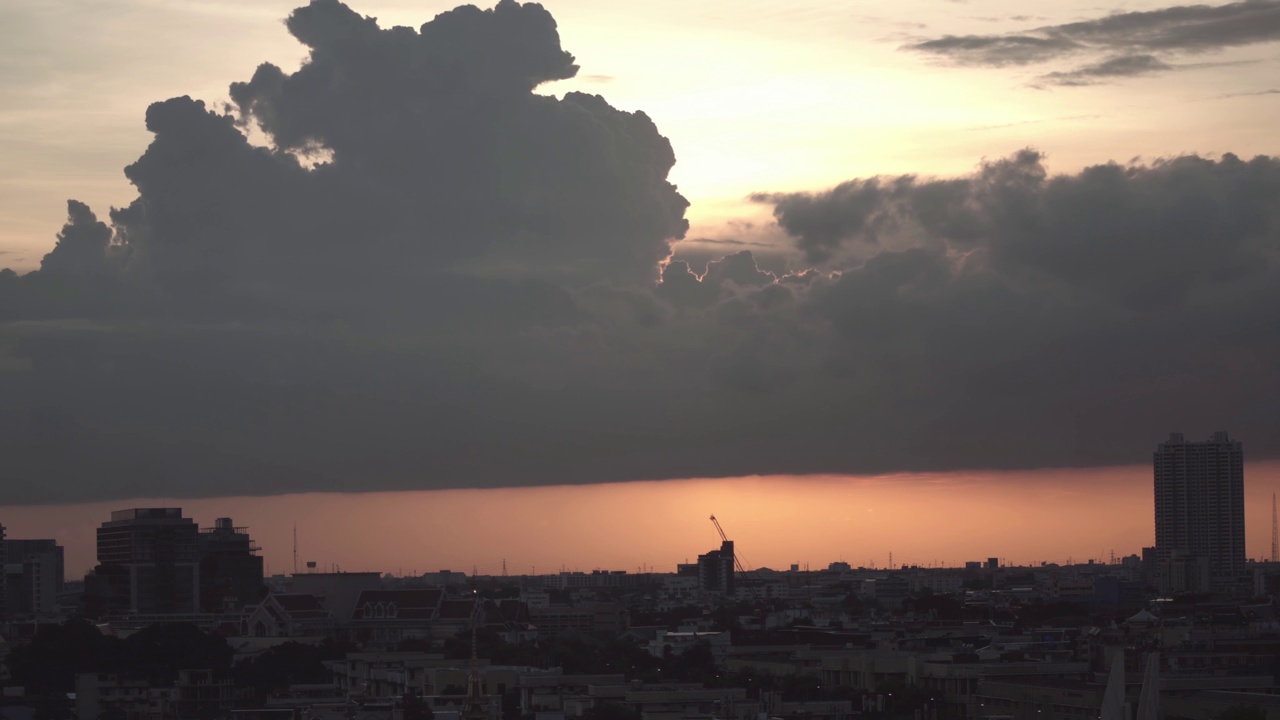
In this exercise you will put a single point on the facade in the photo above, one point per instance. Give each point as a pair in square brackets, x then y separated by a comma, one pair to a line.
[715, 570]
[1199, 511]
[338, 592]
[33, 577]
[597, 618]
[151, 559]
[3, 603]
[384, 618]
[288, 615]
[230, 569]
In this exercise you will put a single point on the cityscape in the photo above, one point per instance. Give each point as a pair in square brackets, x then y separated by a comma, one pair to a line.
[616, 360]
[176, 621]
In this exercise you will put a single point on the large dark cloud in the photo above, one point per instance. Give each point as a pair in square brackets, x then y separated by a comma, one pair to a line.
[433, 276]
[1122, 44]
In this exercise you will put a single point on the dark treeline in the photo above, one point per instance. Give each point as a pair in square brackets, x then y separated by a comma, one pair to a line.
[48, 665]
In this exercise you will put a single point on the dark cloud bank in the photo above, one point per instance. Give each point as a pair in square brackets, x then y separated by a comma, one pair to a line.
[1118, 45]
[472, 292]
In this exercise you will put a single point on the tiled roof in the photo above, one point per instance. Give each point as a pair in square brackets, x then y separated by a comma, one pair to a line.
[417, 604]
[456, 609]
[509, 610]
[300, 606]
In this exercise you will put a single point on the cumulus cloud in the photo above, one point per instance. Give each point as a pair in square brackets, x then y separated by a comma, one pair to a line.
[475, 286]
[1125, 44]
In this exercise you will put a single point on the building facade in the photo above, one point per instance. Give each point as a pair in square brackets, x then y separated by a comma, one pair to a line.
[149, 559]
[33, 577]
[1199, 511]
[230, 569]
[715, 570]
[3, 603]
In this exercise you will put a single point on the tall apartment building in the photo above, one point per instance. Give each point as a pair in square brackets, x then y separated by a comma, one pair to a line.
[155, 561]
[715, 570]
[1199, 511]
[2, 575]
[34, 572]
[149, 561]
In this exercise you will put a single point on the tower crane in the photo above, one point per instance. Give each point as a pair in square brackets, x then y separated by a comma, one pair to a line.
[748, 578]
[737, 564]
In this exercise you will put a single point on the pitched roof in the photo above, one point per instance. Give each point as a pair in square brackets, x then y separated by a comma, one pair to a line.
[506, 611]
[299, 606]
[415, 604]
[456, 609]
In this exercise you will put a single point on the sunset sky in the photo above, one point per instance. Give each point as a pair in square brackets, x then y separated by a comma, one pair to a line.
[754, 96]
[932, 520]
[985, 248]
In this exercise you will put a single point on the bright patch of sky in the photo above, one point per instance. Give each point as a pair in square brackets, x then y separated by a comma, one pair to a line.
[755, 95]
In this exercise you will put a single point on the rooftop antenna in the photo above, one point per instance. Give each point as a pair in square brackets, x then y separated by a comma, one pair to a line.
[295, 548]
[1275, 532]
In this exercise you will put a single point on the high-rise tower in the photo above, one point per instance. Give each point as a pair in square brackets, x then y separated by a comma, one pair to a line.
[149, 559]
[1199, 508]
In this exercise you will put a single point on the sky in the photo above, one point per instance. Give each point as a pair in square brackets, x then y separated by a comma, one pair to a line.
[259, 250]
[929, 520]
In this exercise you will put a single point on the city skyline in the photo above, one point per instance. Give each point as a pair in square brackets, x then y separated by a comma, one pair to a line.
[1025, 518]
[420, 360]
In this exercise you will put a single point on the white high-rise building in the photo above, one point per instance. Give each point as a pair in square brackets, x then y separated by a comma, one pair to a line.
[1199, 504]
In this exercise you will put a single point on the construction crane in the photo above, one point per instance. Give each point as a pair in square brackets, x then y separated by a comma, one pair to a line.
[748, 577]
[737, 564]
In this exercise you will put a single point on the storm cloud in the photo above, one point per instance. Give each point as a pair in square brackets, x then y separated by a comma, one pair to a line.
[1120, 44]
[434, 276]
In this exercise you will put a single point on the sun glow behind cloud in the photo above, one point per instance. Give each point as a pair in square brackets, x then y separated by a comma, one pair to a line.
[761, 96]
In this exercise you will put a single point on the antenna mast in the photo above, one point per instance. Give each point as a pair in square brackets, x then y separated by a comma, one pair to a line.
[295, 548]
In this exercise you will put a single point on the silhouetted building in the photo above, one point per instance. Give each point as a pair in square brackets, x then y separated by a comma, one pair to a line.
[148, 562]
[715, 570]
[230, 569]
[33, 577]
[1199, 509]
[3, 604]
[1150, 564]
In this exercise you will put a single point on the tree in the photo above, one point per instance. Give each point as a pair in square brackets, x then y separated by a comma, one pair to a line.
[1242, 712]
[415, 708]
[287, 664]
[156, 653]
[696, 664]
[49, 663]
[113, 712]
[611, 711]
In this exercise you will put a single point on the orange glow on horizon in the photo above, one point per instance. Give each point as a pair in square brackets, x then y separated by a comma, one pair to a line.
[923, 519]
